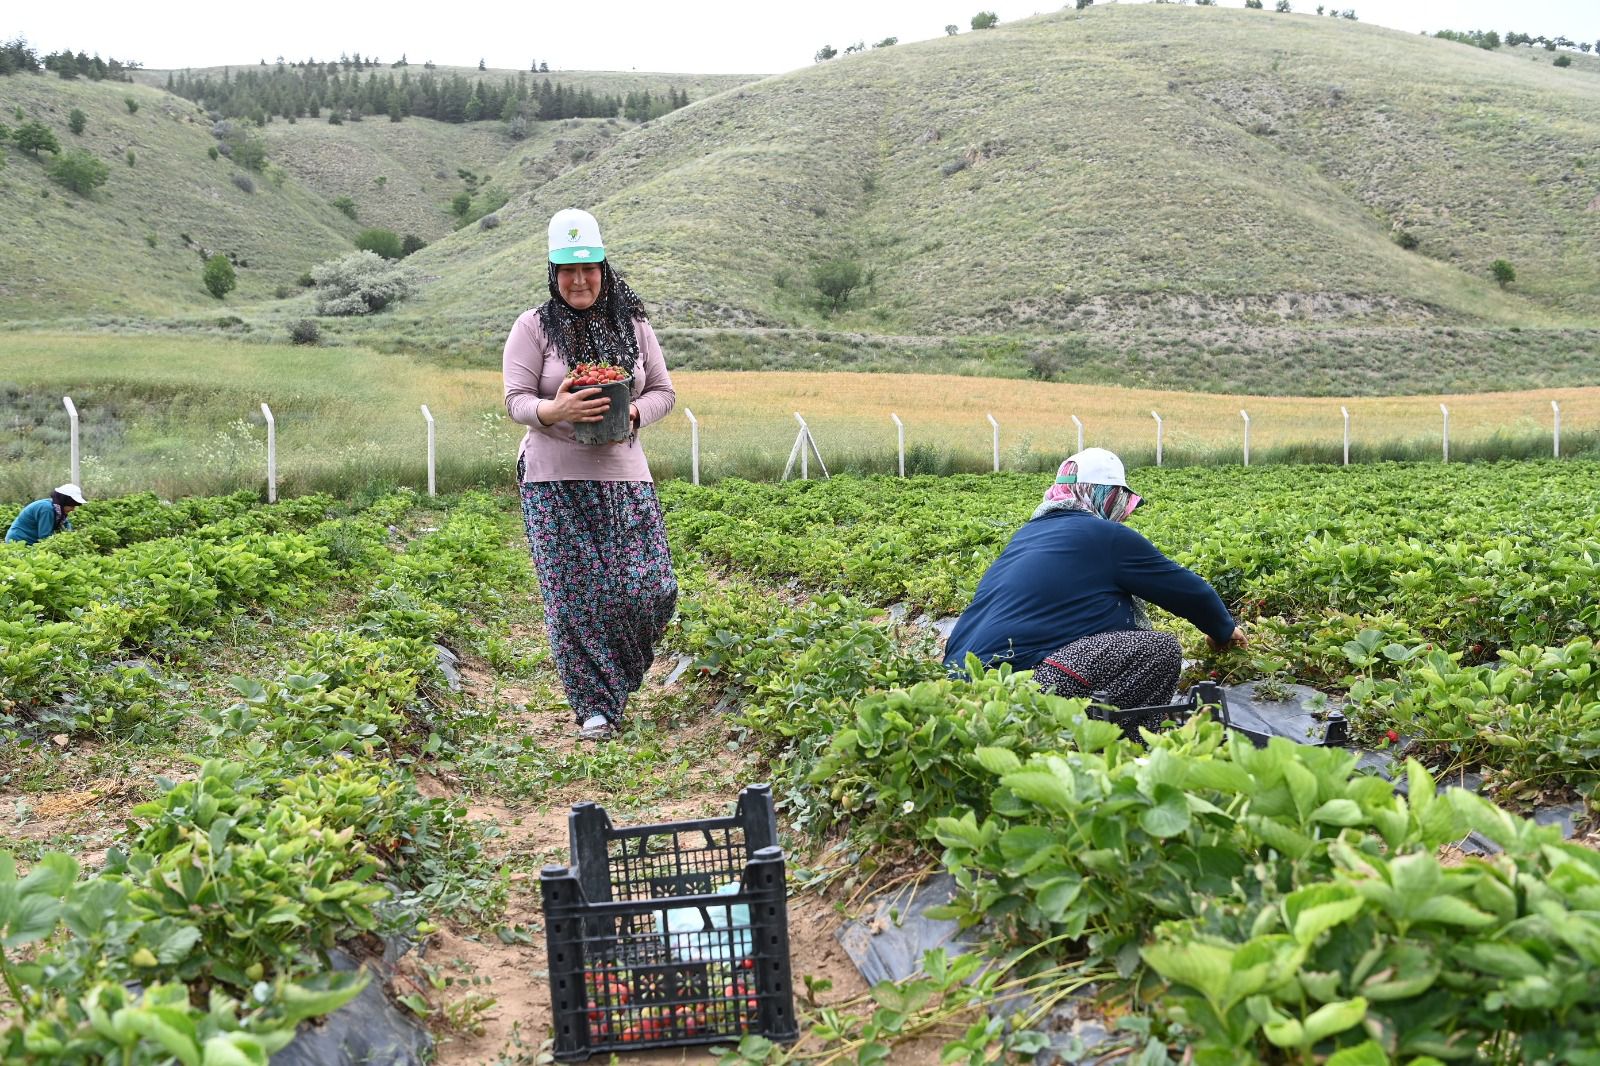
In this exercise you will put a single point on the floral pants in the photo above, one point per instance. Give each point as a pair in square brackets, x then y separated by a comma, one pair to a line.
[1130, 668]
[600, 549]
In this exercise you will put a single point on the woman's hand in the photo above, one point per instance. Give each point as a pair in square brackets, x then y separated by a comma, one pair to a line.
[585, 405]
[1237, 640]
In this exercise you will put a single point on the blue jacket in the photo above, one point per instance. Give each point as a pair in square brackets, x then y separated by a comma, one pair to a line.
[36, 522]
[1070, 574]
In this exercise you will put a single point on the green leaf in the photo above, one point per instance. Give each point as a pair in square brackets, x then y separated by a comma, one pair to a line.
[1276, 835]
[1170, 814]
[1340, 812]
[1043, 788]
[1302, 787]
[1333, 1018]
[1369, 1053]
[998, 761]
[1057, 895]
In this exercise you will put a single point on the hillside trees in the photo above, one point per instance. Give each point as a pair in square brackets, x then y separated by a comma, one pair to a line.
[305, 89]
[16, 57]
[1504, 273]
[79, 171]
[835, 281]
[69, 66]
[76, 121]
[31, 138]
[985, 20]
[826, 52]
[219, 276]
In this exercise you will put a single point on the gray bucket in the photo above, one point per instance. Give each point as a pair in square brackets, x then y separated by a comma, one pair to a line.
[616, 424]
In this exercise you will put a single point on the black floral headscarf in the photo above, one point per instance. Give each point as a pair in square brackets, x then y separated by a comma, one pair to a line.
[600, 333]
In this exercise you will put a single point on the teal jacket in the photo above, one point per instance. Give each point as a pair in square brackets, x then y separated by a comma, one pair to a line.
[36, 522]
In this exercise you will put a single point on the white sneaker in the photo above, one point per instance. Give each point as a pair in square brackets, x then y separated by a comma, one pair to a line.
[595, 727]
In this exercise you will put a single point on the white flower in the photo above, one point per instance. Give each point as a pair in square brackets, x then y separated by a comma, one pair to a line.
[908, 806]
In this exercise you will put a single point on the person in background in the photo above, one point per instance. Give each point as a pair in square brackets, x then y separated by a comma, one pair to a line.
[46, 517]
[593, 520]
[1063, 598]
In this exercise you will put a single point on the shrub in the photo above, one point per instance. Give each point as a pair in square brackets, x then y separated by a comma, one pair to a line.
[489, 222]
[1563, 61]
[346, 206]
[411, 244]
[219, 276]
[1283, 7]
[360, 284]
[1504, 273]
[1406, 239]
[131, 158]
[460, 204]
[213, 153]
[305, 280]
[385, 242]
[334, 118]
[249, 153]
[243, 182]
[35, 137]
[835, 280]
[305, 331]
[79, 171]
[985, 20]
[954, 166]
[76, 121]
[132, 104]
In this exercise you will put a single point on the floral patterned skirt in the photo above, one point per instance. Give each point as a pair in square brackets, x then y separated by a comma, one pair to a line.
[600, 549]
[1130, 668]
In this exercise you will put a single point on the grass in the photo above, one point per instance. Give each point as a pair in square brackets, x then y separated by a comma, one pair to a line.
[182, 416]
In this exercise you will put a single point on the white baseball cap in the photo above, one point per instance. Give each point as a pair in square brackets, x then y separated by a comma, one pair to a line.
[575, 237]
[1095, 466]
[71, 492]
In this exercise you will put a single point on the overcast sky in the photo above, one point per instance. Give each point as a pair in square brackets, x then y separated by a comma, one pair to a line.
[715, 37]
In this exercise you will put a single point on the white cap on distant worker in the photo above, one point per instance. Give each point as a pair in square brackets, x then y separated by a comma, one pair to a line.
[72, 492]
[1097, 466]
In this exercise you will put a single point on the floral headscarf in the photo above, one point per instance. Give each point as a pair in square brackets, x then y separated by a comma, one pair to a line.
[1111, 502]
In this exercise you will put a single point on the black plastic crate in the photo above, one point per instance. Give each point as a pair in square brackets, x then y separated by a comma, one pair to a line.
[671, 934]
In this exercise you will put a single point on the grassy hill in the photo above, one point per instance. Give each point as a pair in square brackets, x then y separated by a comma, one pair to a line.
[1153, 194]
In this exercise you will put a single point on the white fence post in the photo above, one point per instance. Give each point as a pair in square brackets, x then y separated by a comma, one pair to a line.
[1446, 412]
[1554, 407]
[1245, 415]
[900, 441]
[72, 421]
[1346, 412]
[272, 454]
[1158, 436]
[1079, 424]
[804, 447]
[694, 447]
[996, 426]
[428, 416]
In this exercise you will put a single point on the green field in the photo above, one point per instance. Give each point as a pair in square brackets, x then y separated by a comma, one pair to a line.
[344, 789]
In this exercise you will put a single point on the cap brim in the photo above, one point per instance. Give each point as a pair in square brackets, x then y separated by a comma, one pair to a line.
[578, 254]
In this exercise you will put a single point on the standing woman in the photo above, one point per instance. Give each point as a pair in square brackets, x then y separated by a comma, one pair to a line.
[593, 520]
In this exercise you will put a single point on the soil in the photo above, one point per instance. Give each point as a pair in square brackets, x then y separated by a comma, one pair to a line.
[515, 974]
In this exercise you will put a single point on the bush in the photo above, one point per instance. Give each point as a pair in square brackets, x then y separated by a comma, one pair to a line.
[132, 105]
[76, 121]
[243, 182]
[954, 166]
[489, 222]
[79, 171]
[835, 280]
[1504, 273]
[219, 276]
[385, 242]
[249, 153]
[1563, 61]
[360, 284]
[35, 137]
[985, 20]
[131, 158]
[411, 245]
[305, 331]
[1406, 239]
[346, 206]
[213, 153]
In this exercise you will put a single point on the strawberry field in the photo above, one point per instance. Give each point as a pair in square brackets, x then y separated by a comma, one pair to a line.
[275, 771]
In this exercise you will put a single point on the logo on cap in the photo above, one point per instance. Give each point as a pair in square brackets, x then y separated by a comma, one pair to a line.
[572, 234]
[580, 253]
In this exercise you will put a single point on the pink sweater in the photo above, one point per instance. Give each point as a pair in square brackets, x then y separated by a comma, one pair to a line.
[534, 370]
